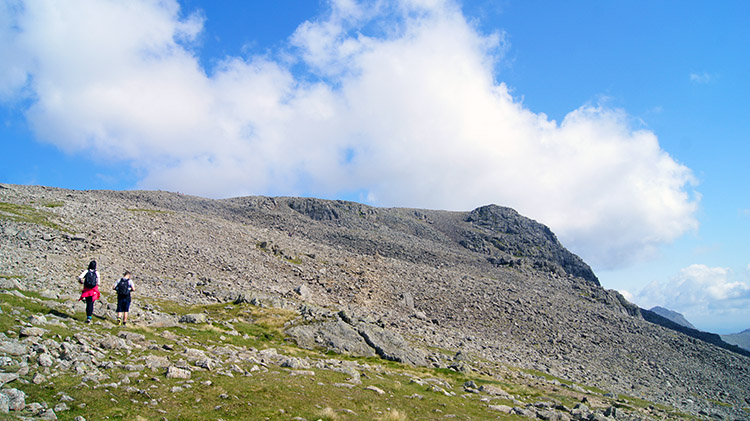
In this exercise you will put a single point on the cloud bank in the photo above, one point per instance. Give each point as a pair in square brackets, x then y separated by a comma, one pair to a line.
[701, 292]
[396, 104]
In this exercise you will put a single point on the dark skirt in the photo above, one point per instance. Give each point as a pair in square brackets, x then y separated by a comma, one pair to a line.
[123, 303]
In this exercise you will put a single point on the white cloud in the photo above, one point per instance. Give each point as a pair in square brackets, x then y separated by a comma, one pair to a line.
[701, 78]
[699, 290]
[403, 107]
[627, 294]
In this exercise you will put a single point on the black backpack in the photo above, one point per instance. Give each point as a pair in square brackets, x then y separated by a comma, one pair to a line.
[123, 287]
[89, 280]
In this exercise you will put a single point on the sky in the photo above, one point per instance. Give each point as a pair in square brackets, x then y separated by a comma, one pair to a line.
[623, 126]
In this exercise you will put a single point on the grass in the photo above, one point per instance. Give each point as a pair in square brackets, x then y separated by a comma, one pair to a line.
[28, 214]
[151, 211]
[275, 393]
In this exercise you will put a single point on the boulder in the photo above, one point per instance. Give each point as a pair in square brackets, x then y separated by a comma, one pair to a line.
[113, 342]
[336, 336]
[194, 318]
[30, 331]
[294, 363]
[177, 373]
[7, 378]
[501, 408]
[155, 362]
[391, 345]
[13, 347]
[36, 319]
[16, 399]
[132, 336]
[4, 404]
[303, 291]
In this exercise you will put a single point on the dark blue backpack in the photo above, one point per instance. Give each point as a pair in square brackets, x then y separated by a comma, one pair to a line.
[123, 287]
[89, 280]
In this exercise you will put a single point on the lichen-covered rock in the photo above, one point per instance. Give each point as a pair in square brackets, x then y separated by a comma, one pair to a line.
[178, 373]
[336, 336]
[194, 318]
[16, 399]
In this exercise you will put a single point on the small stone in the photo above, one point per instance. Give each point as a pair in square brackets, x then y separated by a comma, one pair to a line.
[38, 378]
[344, 385]
[493, 390]
[376, 389]
[48, 415]
[45, 360]
[501, 408]
[66, 398]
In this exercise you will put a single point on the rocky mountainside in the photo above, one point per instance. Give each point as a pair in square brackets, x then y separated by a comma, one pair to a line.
[673, 316]
[489, 284]
[741, 339]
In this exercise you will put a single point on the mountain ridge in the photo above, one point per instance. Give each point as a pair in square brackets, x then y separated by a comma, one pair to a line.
[507, 296]
[740, 339]
[673, 316]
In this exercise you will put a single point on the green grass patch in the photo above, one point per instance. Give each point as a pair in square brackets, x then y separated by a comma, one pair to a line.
[28, 214]
[720, 403]
[150, 211]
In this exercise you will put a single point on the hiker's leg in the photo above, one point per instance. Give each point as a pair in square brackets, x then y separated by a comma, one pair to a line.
[125, 309]
[89, 307]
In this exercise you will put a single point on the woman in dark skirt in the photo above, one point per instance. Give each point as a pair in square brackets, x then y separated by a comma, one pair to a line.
[90, 280]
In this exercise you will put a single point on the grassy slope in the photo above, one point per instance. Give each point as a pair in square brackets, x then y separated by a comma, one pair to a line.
[275, 393]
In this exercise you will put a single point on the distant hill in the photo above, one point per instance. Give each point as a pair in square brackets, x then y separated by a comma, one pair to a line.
[741, 339]
[673, 316]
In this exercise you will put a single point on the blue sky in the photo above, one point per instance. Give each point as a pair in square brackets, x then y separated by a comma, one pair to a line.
[621, 125]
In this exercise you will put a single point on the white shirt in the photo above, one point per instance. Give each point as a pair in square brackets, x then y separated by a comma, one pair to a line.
[83, 275]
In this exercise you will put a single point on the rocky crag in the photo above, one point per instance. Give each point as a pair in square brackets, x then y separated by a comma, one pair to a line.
[488, 284]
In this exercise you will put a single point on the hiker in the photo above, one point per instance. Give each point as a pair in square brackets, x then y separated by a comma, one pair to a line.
[123, 287]
[90, 280]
